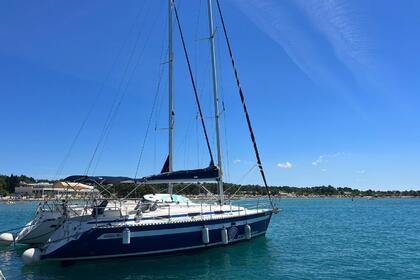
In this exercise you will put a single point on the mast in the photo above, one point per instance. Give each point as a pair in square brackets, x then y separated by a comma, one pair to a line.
[216, 103]
[170, 86]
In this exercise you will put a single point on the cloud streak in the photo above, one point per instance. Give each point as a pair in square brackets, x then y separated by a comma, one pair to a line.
[318, 36]
[326, 158]
[285, 165]
[338, 21]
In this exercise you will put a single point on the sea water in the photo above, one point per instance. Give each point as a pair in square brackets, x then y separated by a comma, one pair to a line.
[309, 239]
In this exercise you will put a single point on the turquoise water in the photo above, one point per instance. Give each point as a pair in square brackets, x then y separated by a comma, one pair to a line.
[309, 239]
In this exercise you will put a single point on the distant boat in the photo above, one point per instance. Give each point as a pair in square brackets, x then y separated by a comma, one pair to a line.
[166, 222]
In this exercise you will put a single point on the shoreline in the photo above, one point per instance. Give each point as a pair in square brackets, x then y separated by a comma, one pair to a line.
[30, 199]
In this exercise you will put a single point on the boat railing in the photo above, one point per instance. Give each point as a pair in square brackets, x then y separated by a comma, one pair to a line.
[169, 211]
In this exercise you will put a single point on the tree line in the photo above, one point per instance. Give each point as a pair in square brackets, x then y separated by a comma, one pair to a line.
[9, 183]
[122, 190]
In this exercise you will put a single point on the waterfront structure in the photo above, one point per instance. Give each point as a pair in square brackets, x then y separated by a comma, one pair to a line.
[57, 189]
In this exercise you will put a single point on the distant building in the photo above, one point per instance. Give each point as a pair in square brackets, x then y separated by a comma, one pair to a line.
[58, 189]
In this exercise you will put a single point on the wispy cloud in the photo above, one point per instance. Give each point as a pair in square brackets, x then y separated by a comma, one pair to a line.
[318, 161]
[361, 171]
[243, 161]
[272, 18]
[325, 158]
[285, 165]
[318, 36]
[339, 22]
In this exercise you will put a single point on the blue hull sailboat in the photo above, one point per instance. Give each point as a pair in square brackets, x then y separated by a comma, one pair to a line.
[161, 223]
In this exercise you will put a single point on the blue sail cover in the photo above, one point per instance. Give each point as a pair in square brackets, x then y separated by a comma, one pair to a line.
[210, 173]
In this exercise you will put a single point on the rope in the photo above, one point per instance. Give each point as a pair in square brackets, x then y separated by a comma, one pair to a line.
[194, 87]
[241, 95]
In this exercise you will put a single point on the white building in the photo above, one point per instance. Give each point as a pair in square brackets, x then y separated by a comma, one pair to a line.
[58, 189]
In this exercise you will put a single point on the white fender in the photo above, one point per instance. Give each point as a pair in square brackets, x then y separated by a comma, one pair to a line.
[248, 234]
[126, 236]
[31, 255]
[6, 238]
[224, 234]
[205, 235]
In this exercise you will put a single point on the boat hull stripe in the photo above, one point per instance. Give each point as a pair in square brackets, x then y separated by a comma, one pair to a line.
[178, 230]
[152, 252]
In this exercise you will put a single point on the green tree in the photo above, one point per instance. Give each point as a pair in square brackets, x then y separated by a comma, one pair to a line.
[11, 183]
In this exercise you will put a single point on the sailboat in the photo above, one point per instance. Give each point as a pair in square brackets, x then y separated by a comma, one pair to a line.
[162, 223]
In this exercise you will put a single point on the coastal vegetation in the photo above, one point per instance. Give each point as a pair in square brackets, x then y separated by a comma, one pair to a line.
[9, 183]
[257, 190]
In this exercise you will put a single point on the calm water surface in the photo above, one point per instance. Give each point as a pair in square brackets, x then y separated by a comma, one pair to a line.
[309, 239]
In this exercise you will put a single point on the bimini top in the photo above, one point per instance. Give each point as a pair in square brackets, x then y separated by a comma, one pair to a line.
[106, 180]
[210, 173]
[72, 185]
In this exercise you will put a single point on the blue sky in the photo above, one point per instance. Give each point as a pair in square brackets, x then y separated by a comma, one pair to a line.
[332, 88]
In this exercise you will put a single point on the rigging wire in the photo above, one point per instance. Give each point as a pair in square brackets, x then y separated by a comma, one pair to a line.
[241, 180]
[223, 112]
[196, 55]
[98, 94]
[157, 115]
[186, 186]
[196, 49]
[197, 140]
[194, 87]
[136, 64]
[184, 143]
[159, 105]
[115, 102]
[202, 88]
[160, 74]
[124, 91]
[242, 97]
[161, 70]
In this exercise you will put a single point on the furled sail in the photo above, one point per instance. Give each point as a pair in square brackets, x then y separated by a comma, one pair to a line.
[210, 173]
